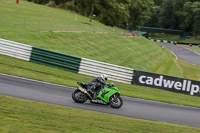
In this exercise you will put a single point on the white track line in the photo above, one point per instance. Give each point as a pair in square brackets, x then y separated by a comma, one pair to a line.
[192, 51]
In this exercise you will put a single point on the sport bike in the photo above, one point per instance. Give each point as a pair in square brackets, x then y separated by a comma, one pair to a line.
[108, 96]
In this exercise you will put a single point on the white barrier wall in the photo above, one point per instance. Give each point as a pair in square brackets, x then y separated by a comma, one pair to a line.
[14, 49]
[165, 41]
[87, 66]
[114, 72]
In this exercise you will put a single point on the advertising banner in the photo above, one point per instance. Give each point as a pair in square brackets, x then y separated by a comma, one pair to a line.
[168, 83]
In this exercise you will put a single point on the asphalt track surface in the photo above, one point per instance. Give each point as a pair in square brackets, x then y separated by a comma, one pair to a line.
[182, 53]
[133, 107]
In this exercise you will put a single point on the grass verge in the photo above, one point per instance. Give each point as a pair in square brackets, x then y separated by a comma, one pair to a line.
[22, 116]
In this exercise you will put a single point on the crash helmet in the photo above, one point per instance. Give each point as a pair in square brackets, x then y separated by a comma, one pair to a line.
[104, 77]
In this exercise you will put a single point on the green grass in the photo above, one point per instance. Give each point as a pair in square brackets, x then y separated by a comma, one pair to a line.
[37, 18]
[192, 40]
[22, 116]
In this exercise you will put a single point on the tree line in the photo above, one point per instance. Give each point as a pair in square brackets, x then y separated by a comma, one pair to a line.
[176, 14]
[169, 14]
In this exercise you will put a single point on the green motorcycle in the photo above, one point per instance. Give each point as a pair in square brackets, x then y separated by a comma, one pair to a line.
[108, 96]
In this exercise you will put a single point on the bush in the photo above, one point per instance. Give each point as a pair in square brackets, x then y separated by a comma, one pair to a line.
[51, 3]
[41, 1]
[68, 5]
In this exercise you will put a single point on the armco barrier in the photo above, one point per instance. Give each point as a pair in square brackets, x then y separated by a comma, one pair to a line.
[14, 49]
[165, 41]
[173, 42]
[55, 59]
[115, 72]
[66, 62]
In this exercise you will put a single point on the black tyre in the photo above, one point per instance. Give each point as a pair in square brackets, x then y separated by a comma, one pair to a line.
[79, 97]
[116, 102]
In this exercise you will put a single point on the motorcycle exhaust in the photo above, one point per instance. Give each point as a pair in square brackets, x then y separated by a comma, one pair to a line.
[84, 91]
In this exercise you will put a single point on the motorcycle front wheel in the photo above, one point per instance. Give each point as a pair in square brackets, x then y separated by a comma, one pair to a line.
[79, 97]
[116, 101]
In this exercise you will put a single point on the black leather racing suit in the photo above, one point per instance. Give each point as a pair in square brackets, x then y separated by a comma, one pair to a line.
[96, 85]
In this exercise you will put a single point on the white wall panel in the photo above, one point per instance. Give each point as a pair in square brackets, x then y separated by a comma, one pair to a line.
[114, 72]
[14, 49]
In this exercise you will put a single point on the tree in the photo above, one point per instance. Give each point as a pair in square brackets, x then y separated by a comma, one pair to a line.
[85, 7]
[196, 11]
[158, 2]
[191, 13]
[154, 20]
[187, 13]
[140, 11]
[111, 12]
[92, 9]
[171, 13]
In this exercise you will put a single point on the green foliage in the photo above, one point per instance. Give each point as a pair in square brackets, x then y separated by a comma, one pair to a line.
[115, 13]
[170, 17]
[169, 14]
[191, 13]
[40, 1]
[109, 12]
[196, 11]
[154, 20]
[140, 11]
[177, 14]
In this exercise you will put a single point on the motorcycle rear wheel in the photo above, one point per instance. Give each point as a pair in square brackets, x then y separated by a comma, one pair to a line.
[116, 102]
[79, 97]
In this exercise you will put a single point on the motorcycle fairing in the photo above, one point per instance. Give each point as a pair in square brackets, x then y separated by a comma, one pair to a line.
[105, 94]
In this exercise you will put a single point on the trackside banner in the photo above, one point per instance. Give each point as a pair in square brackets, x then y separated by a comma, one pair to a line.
[168, 83]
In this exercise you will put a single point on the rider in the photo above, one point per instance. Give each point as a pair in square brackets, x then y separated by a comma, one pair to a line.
[97, 84]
